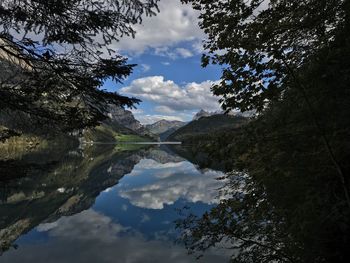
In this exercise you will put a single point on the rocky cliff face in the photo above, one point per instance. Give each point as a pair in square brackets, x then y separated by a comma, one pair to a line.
[124, 118]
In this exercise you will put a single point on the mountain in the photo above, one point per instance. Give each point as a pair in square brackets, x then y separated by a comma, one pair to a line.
[200, 114]
[164, 128]
[203, 113]
[207, 125]
[21, 126]
[123, 117]
[120, 126]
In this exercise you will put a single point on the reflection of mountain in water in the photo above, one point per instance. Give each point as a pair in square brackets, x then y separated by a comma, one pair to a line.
[66, 184]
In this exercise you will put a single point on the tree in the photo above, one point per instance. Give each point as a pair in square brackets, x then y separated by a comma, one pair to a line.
[266, 46]
[290, 60]
[260, 42]
[55, 56]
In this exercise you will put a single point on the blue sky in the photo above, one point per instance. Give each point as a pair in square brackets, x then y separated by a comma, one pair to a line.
[169, 78]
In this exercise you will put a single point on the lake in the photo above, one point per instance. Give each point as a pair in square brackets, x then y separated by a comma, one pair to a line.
[106, 203]
[157, 203]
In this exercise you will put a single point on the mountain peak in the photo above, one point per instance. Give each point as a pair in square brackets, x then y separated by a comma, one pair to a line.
[200, 114]
[162, 126]
[203, 113]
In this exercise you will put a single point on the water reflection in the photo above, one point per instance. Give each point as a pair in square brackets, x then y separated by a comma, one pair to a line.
[164, 184]
[274, 217]
[94, 237]
[103, 205]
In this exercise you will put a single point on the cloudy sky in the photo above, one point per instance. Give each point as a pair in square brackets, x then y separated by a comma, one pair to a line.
[168, 79]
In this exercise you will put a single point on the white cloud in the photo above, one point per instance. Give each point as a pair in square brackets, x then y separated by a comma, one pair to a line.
[166, 93]
[198, 47]
[174, 24]
[170, 185]
[165, 52]
[136, 111]
[164, 109]
[183, 52]
[149, 118]
[145, 67]
[174, 53]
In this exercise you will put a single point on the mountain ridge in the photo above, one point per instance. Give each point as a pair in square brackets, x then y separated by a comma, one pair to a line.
[163, 128]
[207, 125]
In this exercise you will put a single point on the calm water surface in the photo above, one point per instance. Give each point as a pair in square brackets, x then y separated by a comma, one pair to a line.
[103, 205]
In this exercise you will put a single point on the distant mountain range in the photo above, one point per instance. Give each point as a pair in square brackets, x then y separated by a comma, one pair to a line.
[121, 125]
[202, 122]
[164, 128]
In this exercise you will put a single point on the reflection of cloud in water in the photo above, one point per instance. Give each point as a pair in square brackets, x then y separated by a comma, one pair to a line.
[92, 226]
[146, 164]
[108, 190]
[93, 237]
[152, 164]
[145, 218]
[170, 183]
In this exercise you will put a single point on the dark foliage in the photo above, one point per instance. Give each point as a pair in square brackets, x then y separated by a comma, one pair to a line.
[55, 56]
[258, 43]
[286, 199]
[288, 192]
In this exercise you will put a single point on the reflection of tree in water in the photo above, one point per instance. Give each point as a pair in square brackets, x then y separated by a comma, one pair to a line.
[42, 187]
[244, 222]
[36, 190]
[295, 206]
[292, 207]
[269, 220]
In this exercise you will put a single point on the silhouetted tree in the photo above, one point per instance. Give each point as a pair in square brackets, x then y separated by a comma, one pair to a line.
[55, 56]
[259, 42]
[289, 60]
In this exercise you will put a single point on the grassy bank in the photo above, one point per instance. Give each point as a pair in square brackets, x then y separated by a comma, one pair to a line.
[16, 147]
[112, 134]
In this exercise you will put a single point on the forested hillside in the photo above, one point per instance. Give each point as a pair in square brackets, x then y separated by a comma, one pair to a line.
[208, 127]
